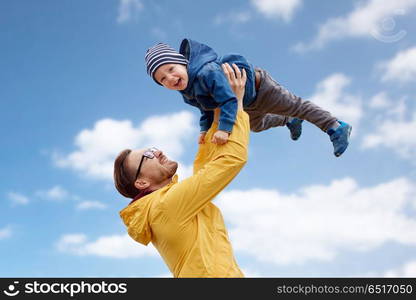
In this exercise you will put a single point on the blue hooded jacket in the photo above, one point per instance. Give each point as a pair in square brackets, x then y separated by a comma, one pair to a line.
[208, 88]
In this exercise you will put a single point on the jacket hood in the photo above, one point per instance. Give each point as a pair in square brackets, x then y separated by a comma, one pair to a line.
[136, 217]
[198, 55]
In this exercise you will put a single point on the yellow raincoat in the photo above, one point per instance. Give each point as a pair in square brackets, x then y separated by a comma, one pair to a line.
[181, 221]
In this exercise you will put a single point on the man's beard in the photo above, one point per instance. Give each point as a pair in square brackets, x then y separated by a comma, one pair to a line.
[169, 170]
[174, 168]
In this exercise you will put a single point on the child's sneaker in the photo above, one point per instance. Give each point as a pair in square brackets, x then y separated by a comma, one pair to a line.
[340, 137]
[295, 127]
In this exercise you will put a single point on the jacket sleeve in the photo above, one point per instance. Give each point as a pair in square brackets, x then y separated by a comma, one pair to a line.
[205, 122]
[217, 85]
[207, 116]
[205, 151]
[214, 168]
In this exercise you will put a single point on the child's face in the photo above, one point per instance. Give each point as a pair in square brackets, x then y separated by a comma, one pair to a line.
[172, 76]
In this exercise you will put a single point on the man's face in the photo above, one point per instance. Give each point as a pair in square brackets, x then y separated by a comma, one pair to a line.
[172, 76]
[156, 169]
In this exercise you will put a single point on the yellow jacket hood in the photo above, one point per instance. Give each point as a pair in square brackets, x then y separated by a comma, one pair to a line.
[136, 218]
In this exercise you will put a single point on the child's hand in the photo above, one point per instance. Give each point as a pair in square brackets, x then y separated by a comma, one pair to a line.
[220, 137]
[201, 139]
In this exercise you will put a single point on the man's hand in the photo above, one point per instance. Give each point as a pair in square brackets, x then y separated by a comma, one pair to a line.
[237, 80]
[220, 137]
[201, 139]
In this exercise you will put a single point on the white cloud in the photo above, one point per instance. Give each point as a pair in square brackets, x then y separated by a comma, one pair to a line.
[85, 205]
[396, 135]
[184, 171]
[248, 273]
[401, 68]
[380, 101]
[127, 9]
[399, 109]
[98, 147]
[370, 19]
[55, 193]
[5, 232]
[283, 9]
[407, 270]
[330, 95]
[320, 221]
[18, 199]
[113, 246]
[387, 108]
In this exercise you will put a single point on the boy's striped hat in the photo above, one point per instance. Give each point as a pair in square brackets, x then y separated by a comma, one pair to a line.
[162, 54]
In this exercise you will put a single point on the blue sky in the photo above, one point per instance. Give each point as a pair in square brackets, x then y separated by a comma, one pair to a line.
[75, 93]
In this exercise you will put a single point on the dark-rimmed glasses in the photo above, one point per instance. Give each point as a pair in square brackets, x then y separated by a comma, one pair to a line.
[149, 153]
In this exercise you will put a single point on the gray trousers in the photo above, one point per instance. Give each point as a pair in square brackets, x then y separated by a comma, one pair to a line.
[275, 105]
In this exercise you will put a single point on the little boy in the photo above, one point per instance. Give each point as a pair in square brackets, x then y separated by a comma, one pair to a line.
[195, 71]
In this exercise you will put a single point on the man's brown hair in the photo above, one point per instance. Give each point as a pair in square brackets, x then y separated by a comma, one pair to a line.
[122, 180]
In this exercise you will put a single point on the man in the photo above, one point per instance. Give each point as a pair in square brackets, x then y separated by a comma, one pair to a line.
[179, 218]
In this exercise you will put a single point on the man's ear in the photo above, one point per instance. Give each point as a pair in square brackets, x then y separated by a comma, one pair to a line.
[141, 184]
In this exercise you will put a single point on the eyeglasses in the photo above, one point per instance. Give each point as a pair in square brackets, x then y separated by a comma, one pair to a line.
[149, 153]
